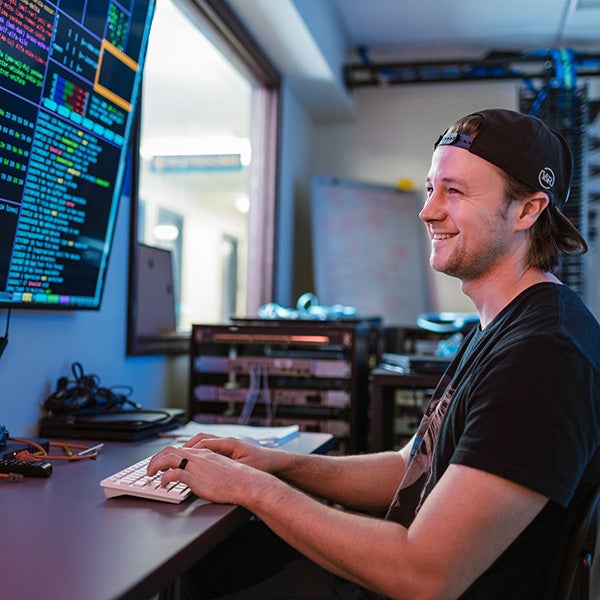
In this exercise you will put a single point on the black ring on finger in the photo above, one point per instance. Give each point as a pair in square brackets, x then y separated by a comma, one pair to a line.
[183, 463]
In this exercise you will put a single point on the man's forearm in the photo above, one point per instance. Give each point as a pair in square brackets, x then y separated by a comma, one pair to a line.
[346, 480]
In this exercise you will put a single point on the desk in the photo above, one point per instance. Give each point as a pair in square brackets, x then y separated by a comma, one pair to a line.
[62, 539]
[382, 385]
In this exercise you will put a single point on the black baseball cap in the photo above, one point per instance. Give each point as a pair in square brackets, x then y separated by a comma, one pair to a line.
[526, 148]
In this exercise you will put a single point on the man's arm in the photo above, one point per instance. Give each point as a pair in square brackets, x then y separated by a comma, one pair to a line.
[367, 481]
[467, 521]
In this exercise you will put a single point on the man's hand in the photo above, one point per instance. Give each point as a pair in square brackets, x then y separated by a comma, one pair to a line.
[213, 476]
[245, 451]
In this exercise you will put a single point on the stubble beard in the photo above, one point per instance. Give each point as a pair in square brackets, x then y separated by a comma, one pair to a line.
[469, 265]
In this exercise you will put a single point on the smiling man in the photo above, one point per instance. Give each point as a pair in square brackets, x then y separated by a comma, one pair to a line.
[477, 502]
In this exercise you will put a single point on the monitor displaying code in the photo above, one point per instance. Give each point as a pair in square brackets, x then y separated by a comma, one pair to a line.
[69, 78]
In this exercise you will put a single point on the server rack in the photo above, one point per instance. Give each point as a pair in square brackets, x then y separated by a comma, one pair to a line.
[566, 109]
[310, 373]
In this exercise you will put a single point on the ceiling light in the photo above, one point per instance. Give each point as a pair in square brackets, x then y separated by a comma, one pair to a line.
[242, 203]
[165, 233]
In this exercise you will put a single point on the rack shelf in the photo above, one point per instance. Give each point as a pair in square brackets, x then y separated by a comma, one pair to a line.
[310, 373]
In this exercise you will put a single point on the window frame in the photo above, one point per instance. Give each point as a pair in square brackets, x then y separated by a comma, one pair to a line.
[231, 37]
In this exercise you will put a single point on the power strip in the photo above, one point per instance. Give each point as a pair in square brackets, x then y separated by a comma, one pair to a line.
[11, 448]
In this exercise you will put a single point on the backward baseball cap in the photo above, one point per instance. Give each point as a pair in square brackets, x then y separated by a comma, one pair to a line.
[526, 148]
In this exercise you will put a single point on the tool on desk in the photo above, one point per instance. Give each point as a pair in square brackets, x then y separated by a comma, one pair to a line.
[27, 468]
[91, 450]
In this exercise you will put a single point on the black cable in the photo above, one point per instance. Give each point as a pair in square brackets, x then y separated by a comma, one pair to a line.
[4, 340]
[85, 395]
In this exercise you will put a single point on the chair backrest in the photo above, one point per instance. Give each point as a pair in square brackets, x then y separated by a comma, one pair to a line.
[580, 570]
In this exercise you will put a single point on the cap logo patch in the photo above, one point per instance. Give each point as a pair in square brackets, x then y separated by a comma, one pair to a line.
[454, 138]
[546, 178]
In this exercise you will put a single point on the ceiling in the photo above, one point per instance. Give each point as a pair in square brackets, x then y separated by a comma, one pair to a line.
[295, 34]
[464, 39]
[410, 30]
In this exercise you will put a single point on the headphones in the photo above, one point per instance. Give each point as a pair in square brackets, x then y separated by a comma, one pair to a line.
[84, 393]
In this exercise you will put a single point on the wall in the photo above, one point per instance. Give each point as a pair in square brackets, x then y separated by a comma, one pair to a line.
[293, 248]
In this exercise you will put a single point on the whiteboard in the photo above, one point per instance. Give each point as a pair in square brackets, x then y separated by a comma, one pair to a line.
[369, 249]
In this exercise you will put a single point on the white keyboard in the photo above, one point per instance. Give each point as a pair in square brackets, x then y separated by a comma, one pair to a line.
[133, 481]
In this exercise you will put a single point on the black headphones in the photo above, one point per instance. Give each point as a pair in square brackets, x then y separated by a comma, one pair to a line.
[84, 394]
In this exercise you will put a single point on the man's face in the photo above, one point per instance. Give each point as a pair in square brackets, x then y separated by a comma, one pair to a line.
[466, 216]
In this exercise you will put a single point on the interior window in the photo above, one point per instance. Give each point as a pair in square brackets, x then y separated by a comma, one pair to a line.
[205, 177]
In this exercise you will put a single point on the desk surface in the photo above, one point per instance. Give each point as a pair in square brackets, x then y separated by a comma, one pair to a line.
[63, 539]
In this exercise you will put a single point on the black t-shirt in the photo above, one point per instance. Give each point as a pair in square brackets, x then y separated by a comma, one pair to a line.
[520, 400]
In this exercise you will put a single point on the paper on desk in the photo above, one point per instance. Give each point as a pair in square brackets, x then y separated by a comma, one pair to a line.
[265, 436]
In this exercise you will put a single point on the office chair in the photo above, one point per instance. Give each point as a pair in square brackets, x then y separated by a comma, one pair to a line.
[582, 556]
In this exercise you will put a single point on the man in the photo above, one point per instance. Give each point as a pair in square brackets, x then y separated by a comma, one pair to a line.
[477, 500]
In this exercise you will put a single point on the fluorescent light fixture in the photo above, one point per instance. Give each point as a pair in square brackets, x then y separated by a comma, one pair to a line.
[197, 146]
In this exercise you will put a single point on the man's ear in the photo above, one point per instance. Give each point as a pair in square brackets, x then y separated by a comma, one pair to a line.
[530, 208]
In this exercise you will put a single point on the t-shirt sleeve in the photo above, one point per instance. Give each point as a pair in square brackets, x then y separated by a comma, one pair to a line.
[532, 417]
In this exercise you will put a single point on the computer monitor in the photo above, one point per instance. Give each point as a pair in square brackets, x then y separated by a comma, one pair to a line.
[69, 79]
